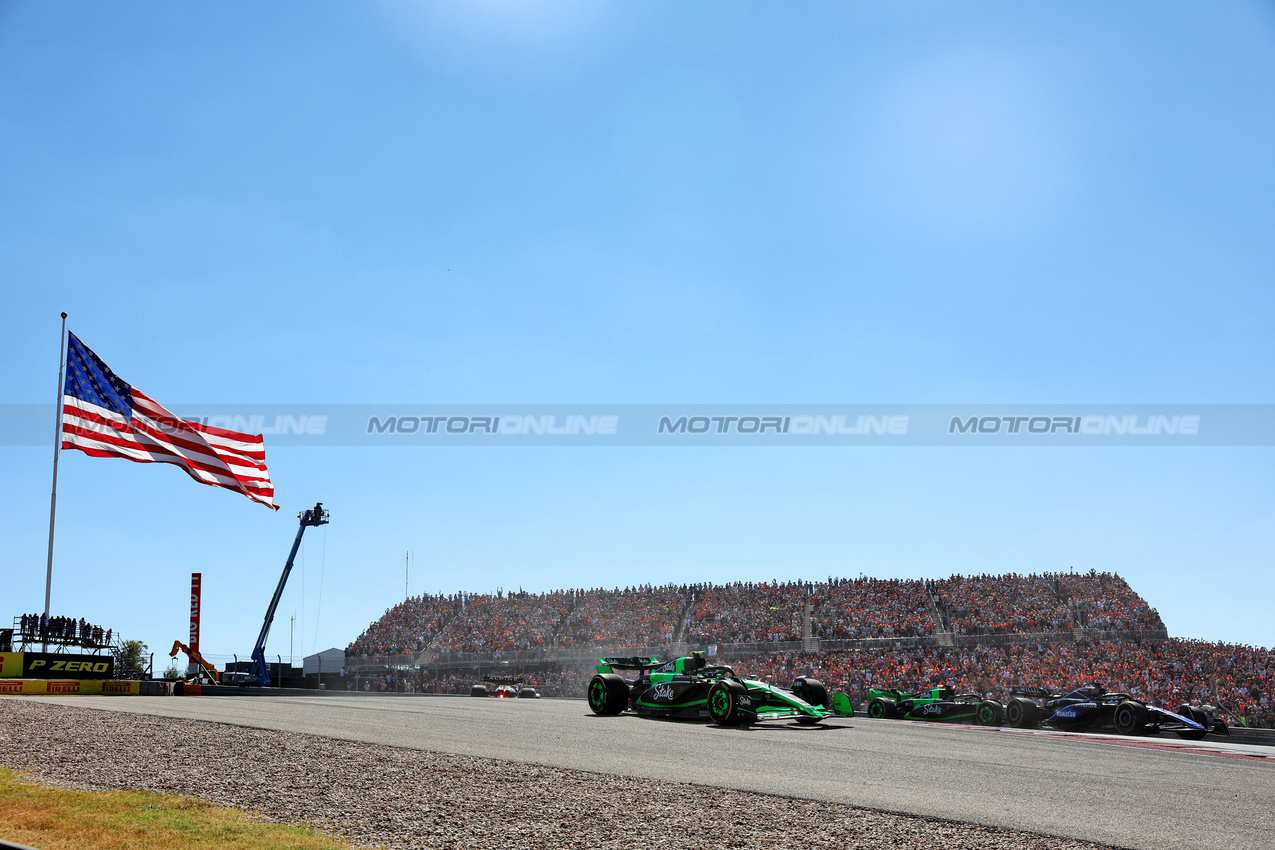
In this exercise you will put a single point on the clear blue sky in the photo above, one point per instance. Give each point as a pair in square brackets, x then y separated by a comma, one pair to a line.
[631, 203]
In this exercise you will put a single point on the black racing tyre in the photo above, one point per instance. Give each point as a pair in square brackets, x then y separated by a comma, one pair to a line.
[1022, 713]
[478, 690]
[527, 693]
[988, 713]
[608, 694]
[879, 708]
[1130, 718]
[812, 691]
[1192, 734]
[724, 703]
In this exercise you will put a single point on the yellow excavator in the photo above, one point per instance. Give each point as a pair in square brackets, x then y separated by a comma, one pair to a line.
[205, 669]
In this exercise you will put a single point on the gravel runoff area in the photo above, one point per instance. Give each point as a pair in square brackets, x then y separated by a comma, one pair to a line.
[381, 796]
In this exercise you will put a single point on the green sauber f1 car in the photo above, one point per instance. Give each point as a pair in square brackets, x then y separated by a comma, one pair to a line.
[689, 688]
[936, 704]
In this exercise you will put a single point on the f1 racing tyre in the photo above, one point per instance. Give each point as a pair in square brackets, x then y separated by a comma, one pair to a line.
[812, 691]
[727, 703]
[1021, 713]
[1130, 718]
[528, 693]
[608, 694]
[879, 708]
[478, 690]
[988, 713]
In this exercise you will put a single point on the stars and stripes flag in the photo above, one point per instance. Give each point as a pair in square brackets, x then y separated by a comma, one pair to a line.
[105, 417]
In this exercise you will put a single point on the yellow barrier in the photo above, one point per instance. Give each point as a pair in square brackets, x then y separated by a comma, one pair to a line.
[10, 664]
[51, 687]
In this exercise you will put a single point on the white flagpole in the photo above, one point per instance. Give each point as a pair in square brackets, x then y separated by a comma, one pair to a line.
[57, 447]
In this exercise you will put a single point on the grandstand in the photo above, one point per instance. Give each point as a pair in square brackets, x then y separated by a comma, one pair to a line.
[640, 616]
[982, 633]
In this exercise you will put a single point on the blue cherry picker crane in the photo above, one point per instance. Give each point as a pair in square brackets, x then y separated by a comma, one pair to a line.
[313, 517]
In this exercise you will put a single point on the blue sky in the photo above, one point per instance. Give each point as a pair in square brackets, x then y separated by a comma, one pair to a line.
[580, 202]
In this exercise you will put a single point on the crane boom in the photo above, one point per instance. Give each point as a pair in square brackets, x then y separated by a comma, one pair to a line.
[315, 516]
[195, 658]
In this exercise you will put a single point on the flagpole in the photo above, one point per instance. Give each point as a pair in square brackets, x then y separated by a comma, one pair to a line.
[57, 447]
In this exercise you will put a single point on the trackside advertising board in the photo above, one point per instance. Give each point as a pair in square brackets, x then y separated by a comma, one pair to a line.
[48, 665]
[10, 665]
[49, 687]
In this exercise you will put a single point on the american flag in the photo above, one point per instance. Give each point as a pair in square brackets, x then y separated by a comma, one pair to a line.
[105, 417]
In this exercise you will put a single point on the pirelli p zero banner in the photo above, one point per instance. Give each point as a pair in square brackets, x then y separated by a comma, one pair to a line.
[57, 687]
[48, 665]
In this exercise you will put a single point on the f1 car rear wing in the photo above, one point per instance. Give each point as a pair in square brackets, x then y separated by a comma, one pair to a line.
[503, 680]
[631, 662]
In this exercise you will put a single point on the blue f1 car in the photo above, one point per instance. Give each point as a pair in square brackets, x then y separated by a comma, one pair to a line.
[1092, 709]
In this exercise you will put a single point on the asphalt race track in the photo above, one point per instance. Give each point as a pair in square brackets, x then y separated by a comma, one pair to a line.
[1148, 793]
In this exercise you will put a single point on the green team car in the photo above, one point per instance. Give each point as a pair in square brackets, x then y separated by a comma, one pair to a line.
[689, 688]
[937, 704]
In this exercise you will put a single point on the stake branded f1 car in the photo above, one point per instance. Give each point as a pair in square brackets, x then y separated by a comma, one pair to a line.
[689, 688]
[503, 687]
[1092, 709]
[937, 704]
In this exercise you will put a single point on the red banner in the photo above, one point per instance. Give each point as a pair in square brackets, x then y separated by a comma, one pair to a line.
[196, 580]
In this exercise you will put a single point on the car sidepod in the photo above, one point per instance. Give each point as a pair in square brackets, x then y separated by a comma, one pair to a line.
[1080, 716]
[938, 711]
[676, 696]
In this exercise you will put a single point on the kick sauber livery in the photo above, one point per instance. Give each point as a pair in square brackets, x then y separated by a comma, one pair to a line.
[689, 688]
[937, 704]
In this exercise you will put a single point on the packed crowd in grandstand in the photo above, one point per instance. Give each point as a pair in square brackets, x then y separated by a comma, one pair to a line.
[757, 612]
[746, 612]
[1168, 672]
[874, 608]
[629, 617]
[1047, 630]
[63, 630]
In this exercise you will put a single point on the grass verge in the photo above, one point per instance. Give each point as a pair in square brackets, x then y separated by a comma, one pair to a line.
[58, 819]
